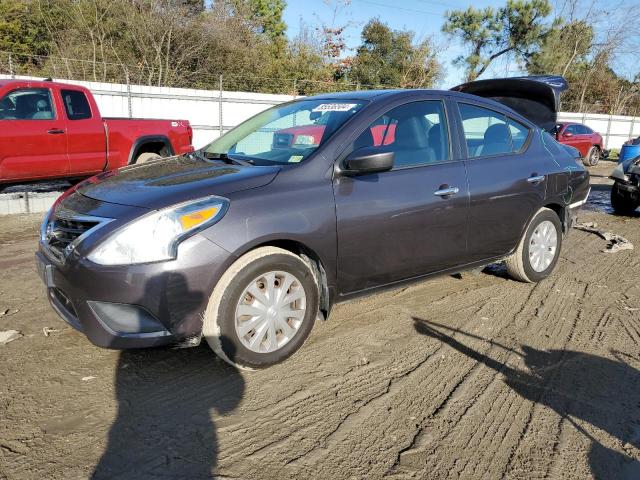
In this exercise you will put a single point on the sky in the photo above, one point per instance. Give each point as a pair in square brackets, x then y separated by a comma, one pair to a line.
[423, 17]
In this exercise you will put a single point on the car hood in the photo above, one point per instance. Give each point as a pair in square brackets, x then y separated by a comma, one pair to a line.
[537, 98]
[166, 182]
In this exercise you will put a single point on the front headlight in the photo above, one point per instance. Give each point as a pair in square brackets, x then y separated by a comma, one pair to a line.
[618, 173]
[155, 237]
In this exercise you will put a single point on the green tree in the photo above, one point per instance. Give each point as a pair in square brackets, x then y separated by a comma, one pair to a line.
[267, 14]
[22, 31]
[391, 58]
[517, 28]
[563, 49]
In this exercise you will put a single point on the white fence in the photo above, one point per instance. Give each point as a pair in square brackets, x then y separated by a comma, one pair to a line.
[212, 112]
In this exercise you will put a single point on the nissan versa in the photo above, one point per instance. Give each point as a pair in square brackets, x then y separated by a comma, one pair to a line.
[248, 240]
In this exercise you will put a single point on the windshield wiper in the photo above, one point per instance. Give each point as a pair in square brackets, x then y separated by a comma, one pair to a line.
[227, 159]
[198, 155]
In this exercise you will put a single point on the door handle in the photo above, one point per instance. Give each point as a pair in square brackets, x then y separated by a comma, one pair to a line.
[55, 131]
[445, 191]
[536, 179]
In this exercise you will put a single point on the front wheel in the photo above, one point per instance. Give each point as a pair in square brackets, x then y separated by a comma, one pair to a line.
[622, 202]
[538, 250]
[262, 309]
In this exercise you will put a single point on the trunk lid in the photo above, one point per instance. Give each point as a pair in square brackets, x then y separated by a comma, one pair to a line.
[537, 98]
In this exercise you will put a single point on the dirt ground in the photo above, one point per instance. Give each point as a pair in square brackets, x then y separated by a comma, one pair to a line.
[472, 377]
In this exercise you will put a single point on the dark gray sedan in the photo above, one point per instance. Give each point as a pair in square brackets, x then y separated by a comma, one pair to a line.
[250, 239]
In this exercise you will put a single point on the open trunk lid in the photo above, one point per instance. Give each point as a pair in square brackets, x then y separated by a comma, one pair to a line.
[536, 98]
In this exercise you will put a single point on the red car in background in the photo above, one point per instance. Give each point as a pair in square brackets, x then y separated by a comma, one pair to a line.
[583, 138]
[306, 135]
[54, 130]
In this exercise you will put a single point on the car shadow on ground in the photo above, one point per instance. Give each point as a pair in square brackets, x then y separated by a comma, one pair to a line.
[167, 399]
[578, 386]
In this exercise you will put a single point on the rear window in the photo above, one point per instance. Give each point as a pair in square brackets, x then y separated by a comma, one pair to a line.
[519, 134]
[76, 105]
[488, 132]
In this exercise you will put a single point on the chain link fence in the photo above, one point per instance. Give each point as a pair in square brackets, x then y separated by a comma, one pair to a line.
[97, 71]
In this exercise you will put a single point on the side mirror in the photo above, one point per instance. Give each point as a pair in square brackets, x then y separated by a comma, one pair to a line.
[368, 160]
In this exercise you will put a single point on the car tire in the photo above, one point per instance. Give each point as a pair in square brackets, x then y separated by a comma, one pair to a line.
[263, 271]
[530, 266]
[593, 157]
[147, 157]
[622, 204]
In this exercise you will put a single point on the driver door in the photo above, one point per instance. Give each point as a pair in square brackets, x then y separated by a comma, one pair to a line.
[33, 141]
[402, 224]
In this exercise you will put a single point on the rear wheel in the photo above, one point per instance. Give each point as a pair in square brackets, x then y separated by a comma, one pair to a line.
[622, 202]
[539, 249]
[147, 156]
[262, 309]
[593, 157]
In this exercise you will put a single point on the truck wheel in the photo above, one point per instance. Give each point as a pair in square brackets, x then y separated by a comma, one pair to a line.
[146, 157]
[539, 248]
[622, 203]
[593, 157]
[262, 309]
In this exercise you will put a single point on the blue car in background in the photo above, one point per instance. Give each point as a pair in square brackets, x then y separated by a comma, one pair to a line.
[625, 193]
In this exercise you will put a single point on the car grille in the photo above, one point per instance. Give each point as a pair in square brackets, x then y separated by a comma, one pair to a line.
[282, 140]
[62, 232]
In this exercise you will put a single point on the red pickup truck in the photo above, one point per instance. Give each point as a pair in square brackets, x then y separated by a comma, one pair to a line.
[54, 130]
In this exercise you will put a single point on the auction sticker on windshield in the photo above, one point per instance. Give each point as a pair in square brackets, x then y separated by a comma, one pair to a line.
[334, 107]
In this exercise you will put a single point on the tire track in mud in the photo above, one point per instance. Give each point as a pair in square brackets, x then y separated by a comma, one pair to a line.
[369, 396]
[538, 307]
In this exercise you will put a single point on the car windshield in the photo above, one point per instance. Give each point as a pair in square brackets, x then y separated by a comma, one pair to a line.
[284, 134]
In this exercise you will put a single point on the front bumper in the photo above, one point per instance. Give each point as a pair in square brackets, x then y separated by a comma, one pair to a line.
[136, 306]
[630, 189]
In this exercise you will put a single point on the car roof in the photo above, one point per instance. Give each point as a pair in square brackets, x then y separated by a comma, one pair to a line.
[35, 83]
[386, 94]
[377, 95]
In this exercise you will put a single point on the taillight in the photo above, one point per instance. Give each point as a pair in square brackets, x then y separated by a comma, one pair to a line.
[190, 133]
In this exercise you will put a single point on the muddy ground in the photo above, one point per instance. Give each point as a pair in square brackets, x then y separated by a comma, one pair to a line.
[472, 377]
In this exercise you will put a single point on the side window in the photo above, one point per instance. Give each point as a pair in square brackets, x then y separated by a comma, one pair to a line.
[416, 132]
[572, 129]
[76, 105]
[485, 131]
[584, 130]
[519, 134]
[27, 104]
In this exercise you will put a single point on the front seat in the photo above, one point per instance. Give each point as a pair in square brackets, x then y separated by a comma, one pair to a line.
[410, 144]
[43, 112]
[25, 107]
[497, 139]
